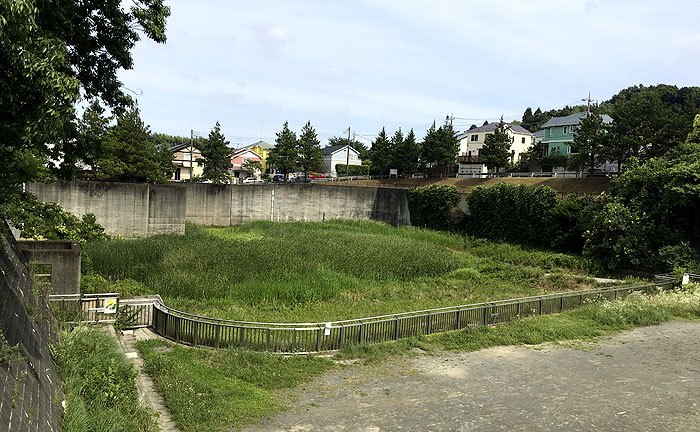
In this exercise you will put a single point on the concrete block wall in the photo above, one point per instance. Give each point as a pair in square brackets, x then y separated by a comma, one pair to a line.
[138, 210]
[30, 389]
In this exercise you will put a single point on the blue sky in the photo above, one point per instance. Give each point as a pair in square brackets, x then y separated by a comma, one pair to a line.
[400, 63]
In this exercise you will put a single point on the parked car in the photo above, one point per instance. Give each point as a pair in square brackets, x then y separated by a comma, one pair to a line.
[251, 180]
[278, 178]
[317, 176]
[299, 179]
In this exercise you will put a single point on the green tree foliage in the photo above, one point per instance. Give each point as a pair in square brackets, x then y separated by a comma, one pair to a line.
[380, 153]
[440, 146]
[353, 170]
[310, 155]
[252, 167]
[284, 155]
[534, 121]
[165, 140]
[432, 206]
[395, 144]
[130, 156]
[216, 156]
[50, 50]
[406, 152]
[651, 121]
[511, 213]
[38, 220]
[99, 37]
[37, 91]
[496, 150]
[590, 140]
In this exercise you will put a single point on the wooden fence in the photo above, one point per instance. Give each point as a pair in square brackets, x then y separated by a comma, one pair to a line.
[312, 337]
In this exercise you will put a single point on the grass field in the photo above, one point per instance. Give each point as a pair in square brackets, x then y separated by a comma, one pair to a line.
[287, 272]
[222, 390]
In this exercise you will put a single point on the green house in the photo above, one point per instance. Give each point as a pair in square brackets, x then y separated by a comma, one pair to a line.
[559, 132]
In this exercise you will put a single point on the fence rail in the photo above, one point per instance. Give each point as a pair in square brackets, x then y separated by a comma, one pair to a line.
[312, 337]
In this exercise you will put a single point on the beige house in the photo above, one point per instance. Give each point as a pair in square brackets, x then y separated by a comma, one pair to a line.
[472, 141]
[185, 158]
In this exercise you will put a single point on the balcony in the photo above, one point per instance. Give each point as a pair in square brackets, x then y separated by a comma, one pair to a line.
[468, 159]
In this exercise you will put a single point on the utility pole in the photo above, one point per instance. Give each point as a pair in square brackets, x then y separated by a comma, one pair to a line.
[347, 157]
[588, 109]
[191, 152]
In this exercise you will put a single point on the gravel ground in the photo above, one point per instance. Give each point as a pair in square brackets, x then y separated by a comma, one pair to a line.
[647, 379]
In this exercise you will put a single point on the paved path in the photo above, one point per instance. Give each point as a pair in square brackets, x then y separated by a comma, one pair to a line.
[147, 388]
[647, 379]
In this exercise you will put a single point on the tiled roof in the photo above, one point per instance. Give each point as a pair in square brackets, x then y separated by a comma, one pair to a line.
[492, 126]
[262, 144]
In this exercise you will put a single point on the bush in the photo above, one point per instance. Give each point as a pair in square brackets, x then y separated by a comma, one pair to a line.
[511, 213]
[431, 206]
[565, 223]
[354, 170]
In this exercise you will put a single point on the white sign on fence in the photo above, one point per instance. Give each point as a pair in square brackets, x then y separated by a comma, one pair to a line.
[110, 305]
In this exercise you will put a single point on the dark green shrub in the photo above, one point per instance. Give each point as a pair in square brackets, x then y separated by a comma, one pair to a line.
[432, 206]
[354, 170]
[517, 214]
[565, 223]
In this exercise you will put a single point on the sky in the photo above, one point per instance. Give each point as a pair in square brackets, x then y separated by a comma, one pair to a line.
[252, 65]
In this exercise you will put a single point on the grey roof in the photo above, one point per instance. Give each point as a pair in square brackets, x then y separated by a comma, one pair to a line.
[492, 126]
[263, 145]
[178, 147]
[333, 149]
[539, 134]
[572, 119]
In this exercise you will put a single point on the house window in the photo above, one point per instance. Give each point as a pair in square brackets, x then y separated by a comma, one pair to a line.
[522, 140]
[177, 174]
[551, 130]
[187, 156]
[566, 130]
[568, 148]
[475, 137]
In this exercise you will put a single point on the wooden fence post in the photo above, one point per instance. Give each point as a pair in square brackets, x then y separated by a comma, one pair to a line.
[459, 319]
[396, 328]
[217, 331]
[319, 335]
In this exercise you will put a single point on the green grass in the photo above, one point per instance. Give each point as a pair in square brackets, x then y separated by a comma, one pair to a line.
[321, 271]
[209, 390]
[588, 322]
[222, 390]
[101, 393]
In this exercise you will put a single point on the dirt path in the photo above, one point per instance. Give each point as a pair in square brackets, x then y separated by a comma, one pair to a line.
[647, 379]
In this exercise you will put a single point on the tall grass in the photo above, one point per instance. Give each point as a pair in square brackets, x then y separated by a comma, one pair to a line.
[321, 271]
[101, 394]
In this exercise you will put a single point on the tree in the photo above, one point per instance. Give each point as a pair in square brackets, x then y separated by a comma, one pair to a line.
[252, 167]
[49, 50]
[38, 93]
[395, 147]
[129, 155]
[473, 126]
[310, 155]
[92, 131]
[407, 153]
[440, 146]
[496, 150]
[216, 156]
[589, 139]
[380, 154]
[284, 155]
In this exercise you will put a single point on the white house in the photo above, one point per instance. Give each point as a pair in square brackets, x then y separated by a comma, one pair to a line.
[185, 158]
[338, 154]
[472, 141]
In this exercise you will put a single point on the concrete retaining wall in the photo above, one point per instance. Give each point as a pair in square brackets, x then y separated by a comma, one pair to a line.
[137, 210]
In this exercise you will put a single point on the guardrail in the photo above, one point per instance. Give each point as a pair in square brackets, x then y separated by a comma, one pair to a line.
[313, 337]
[90, 308]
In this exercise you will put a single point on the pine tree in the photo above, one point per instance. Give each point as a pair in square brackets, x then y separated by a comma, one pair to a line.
[379, 153]
[310, 156]
[431, 144]
[408, 154]
[395, 148]
[216, 156]
[589, 140]
[449, 145]
[92, 131]
[130, 156]
[283, 157]
[496, 150]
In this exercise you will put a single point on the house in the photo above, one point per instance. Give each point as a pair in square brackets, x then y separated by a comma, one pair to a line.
[338, 154]
[185, 158]
[238, 160]
[537, 137]
[559, 132]
[472, 141]
[262, 148]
